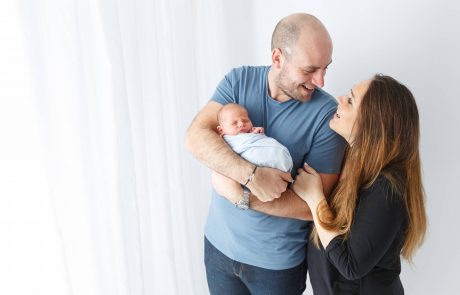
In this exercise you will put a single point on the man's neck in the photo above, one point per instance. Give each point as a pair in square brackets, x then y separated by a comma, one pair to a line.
[273, 90]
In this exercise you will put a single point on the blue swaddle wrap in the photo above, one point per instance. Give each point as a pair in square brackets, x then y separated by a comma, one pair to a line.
[261, 150]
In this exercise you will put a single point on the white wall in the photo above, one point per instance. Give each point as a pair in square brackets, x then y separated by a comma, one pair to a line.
[418, 43]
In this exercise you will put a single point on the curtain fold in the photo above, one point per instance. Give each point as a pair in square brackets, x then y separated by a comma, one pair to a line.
[116, 84]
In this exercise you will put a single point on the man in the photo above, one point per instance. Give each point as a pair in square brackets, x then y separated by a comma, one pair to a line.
[254, 251]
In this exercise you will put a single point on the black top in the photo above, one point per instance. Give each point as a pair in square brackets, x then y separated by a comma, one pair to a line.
[368, 262]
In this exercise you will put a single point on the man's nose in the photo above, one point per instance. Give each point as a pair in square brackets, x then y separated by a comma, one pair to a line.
[318, 78]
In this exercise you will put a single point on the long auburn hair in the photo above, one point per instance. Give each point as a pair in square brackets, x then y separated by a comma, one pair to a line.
[386, 142]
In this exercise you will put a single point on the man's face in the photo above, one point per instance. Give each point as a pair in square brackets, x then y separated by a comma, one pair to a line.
[304, 69]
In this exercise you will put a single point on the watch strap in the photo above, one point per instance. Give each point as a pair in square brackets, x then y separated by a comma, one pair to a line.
[243, 203]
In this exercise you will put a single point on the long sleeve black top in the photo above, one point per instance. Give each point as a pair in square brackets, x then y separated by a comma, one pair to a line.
[368, 262]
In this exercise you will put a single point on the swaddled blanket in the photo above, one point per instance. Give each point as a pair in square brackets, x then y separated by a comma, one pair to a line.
[261, 150]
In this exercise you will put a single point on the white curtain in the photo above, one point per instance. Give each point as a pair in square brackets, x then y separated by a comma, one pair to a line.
[113, 87]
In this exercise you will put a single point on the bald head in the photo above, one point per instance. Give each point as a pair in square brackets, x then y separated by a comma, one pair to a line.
[295, 26]
[301, 52]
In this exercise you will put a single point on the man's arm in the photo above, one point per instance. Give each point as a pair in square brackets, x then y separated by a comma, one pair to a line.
[289, 205]
[203, 141]
[208, 147]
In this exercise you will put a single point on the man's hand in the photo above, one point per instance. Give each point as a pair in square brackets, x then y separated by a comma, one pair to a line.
[268, 183]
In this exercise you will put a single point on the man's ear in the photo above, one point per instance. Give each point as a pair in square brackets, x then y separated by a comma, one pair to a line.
[277, 58]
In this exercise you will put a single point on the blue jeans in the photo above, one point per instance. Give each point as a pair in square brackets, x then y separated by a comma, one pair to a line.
[227, 276]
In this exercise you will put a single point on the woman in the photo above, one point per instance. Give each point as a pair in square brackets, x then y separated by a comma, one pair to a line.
[376, 213]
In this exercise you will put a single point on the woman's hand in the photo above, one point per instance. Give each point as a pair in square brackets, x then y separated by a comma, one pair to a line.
[308, 186]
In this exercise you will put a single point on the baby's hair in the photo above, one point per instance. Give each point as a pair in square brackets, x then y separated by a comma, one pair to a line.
[227, 106]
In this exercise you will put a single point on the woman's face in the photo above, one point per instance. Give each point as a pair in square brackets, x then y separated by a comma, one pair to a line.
[344, 120]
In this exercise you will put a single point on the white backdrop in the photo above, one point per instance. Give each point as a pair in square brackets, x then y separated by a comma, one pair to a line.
[417, 42]
[98, 195]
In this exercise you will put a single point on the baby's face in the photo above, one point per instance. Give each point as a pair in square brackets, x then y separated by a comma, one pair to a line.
[235, 121]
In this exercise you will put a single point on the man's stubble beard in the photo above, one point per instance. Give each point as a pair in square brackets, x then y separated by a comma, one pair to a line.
[283, 81]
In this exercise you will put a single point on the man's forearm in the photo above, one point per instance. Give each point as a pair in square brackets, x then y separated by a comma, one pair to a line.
[289, 205]
[210, 149]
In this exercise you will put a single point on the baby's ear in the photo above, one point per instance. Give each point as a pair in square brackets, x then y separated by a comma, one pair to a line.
[219, 129]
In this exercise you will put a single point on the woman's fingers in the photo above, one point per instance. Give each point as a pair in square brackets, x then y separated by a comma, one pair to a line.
[307, 168]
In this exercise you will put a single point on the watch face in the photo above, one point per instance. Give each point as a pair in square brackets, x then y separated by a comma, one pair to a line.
[242, 204]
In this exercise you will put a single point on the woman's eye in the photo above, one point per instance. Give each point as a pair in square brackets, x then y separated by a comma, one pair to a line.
[349, 100]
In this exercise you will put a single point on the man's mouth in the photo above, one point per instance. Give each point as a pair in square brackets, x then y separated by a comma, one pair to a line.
[308, 89]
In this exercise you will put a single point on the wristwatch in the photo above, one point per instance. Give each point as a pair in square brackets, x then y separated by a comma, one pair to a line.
[243, 203]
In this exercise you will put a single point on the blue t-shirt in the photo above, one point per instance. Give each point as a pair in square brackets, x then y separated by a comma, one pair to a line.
[253, 237]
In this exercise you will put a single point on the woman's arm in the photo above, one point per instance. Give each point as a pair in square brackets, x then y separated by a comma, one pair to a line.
[377, 221]
[308, 186]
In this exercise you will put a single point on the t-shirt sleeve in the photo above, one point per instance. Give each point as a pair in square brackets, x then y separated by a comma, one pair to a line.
[326, 152]
[378, 220]
[225, 92]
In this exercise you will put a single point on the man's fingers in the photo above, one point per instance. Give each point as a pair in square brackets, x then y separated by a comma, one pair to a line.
[270, 183]
[287, 177]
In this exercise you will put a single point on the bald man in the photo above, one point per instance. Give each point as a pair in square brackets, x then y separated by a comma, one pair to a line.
[261, 250]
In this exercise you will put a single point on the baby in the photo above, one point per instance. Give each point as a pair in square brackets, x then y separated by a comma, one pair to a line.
[250, 142]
